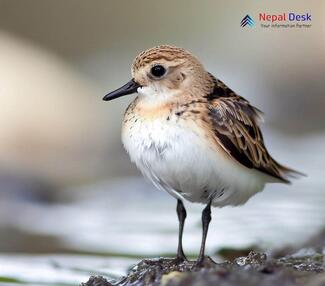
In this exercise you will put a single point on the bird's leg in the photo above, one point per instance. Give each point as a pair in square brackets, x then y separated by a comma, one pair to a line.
[181, 213]
[206, 218]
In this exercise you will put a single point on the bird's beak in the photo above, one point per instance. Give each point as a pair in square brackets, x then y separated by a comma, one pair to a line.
[130, 87]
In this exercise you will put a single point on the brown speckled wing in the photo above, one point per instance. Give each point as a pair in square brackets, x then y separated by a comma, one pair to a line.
[235, 124]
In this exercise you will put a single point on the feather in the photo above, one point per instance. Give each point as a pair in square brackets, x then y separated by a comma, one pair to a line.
[236, 128]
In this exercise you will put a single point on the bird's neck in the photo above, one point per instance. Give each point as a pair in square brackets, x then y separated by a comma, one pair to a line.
[151, 96]
[155, 97]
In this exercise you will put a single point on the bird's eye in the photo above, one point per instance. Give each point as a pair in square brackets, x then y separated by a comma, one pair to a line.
[158, 71]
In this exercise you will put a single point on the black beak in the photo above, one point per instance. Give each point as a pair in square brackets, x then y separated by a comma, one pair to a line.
[130, 87]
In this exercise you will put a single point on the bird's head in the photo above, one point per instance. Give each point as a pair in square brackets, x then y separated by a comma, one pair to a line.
[163, 72]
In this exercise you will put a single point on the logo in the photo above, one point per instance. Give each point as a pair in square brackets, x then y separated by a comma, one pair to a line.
[279, 20]
[247, 20]
[285, 17]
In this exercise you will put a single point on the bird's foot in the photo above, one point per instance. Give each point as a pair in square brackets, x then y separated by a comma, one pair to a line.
[180, 258]
[204, 261]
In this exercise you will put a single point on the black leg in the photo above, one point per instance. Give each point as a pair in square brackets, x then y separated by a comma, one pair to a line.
[206, 218]
[181, 213]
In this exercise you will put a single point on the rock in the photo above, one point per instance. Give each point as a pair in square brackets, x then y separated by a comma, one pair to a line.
[253, 269]
[253, 258]
[96, 281]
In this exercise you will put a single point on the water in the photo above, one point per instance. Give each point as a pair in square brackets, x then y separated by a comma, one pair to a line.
[127, 219]
[58, 269]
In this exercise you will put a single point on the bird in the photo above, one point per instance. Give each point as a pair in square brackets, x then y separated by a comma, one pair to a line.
[193, 136]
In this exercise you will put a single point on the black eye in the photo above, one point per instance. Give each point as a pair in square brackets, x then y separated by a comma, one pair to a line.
[158, 71]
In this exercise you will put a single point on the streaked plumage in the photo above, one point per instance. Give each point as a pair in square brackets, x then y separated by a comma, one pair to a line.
[191, 135]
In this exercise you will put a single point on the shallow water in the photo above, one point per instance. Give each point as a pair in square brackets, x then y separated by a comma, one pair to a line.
[128, 218]
[58, 269]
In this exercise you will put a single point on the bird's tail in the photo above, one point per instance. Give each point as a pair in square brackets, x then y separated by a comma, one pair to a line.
[289, 173]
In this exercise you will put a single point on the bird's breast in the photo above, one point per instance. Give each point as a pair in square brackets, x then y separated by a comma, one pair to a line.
[176, 154]
[149, 132]
[169, 151]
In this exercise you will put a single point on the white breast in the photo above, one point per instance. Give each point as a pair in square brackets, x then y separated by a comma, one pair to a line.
[176, 159]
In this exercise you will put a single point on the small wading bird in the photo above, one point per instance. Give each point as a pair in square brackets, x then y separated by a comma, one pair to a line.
[193, 137]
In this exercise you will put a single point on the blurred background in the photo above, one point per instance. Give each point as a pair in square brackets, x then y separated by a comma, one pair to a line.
[66, 184]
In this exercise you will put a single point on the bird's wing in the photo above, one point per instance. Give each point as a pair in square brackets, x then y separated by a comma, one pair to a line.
[236, 129]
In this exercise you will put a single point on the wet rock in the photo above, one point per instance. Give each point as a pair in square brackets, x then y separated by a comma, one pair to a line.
[302, 268]
[252, 259]
[310, 262]
[96, 281]
[229, 253]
